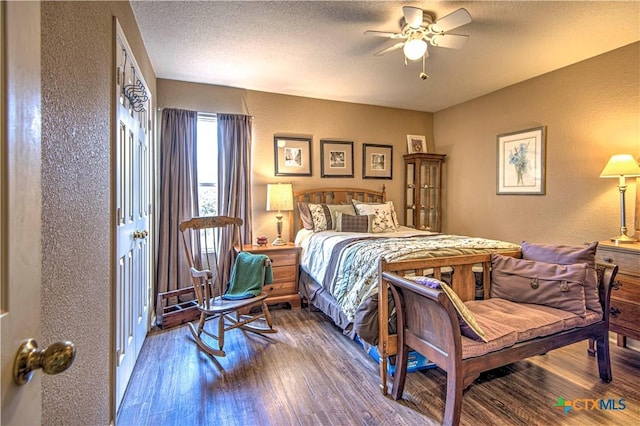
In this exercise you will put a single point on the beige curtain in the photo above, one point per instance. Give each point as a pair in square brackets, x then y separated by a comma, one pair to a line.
[178, 197]
[234, 177]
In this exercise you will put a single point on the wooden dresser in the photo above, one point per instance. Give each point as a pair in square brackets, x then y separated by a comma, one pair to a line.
[625, 301]
[284, 264]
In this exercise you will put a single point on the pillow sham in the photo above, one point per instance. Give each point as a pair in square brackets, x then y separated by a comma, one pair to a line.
[469, 327]
[352, 223]
[540, 283]
[385, 217]
[568, 255]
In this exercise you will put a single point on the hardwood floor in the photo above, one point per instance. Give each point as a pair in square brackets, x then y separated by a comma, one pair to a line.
[310, 374]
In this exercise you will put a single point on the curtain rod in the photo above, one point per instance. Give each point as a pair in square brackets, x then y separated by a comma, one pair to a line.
[205, 112]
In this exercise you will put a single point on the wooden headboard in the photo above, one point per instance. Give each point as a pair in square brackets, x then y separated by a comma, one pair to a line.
[330, 196]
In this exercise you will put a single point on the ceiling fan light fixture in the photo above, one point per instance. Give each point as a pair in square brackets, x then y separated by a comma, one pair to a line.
[414, 49]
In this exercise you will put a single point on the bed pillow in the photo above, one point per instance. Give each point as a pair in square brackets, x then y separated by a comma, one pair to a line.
[323, 215]
[540, 283]
[469, 327]
[568, 255]
[305, 215]
[384, 213]
[353, 223]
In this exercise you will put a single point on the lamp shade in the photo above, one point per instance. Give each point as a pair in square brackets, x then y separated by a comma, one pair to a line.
[279, 197]
[621, 165]
[414, 49]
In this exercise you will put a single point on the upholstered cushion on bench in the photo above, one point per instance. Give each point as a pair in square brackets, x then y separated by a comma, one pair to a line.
[529, 281]
[506, 323]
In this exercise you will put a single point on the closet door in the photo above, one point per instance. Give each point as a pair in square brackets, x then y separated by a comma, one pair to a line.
[20, 199]
[132, 213]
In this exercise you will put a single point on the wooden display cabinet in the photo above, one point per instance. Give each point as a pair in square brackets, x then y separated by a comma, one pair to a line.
[423, 191]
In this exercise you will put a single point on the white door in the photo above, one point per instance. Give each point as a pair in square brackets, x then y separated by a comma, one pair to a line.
[20, 203]
[132, 211]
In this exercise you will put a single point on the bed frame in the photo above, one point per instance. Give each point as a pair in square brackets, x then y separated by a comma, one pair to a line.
[463, 278]
[330, 196]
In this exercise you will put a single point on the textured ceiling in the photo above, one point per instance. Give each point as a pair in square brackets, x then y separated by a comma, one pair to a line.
[317, 48]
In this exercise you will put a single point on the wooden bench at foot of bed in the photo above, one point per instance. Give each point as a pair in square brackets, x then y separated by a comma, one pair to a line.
[428, 323]
[463, 282]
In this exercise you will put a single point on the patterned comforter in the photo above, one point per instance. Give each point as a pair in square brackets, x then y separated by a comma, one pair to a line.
[347, 265]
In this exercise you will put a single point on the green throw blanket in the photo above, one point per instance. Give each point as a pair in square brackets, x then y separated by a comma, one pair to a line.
[248, 276]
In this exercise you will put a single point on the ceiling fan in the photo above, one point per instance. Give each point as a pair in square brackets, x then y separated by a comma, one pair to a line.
[418, 29]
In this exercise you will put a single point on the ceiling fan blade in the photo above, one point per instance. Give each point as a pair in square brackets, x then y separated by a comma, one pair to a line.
[413, 16]
[386, 34]
[451, 41]
[453, 20]
[390, 49]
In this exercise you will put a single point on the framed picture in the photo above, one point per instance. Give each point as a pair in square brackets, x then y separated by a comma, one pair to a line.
[521, 162]
[416, 143]
[377, 161]
[292, 156]
[336, 158]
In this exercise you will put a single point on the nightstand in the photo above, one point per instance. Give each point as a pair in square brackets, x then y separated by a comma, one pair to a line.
[284, 264]
[625, 301]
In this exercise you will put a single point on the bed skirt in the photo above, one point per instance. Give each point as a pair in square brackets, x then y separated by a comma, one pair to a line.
[316, 295]
[365, 325]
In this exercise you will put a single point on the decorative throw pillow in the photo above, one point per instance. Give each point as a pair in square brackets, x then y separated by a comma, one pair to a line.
[353, 223]
[569, 255]
[469, 327]
[384, 216]
[394, 216]
[334, 209]
[540, 283]
[323, 215]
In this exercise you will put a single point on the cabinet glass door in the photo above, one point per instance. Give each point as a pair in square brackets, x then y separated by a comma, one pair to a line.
[430, 188]
[409, 196]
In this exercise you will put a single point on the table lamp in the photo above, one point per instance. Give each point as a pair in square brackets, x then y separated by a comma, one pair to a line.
[621, 166]
[279, 198]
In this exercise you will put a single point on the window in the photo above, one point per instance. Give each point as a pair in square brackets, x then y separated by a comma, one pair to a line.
[207, 150]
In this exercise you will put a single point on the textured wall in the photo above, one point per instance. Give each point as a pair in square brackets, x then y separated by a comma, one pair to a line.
[77, 50]
[591, 110]
[305, 116]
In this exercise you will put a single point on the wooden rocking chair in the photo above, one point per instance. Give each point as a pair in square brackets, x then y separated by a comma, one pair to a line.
[213, 298]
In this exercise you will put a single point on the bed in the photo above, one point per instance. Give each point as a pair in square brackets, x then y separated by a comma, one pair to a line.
[342, 259]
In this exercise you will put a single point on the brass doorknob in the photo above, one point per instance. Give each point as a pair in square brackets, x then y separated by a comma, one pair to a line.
[55, 359]
[140, 234]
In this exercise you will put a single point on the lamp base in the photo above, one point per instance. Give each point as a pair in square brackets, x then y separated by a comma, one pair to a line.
[279, 242]
[623, 239]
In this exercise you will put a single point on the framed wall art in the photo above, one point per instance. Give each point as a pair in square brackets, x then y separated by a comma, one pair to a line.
[336, 158]
[377, 161]
[521, 162]
[292, 156]
[416, 143]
